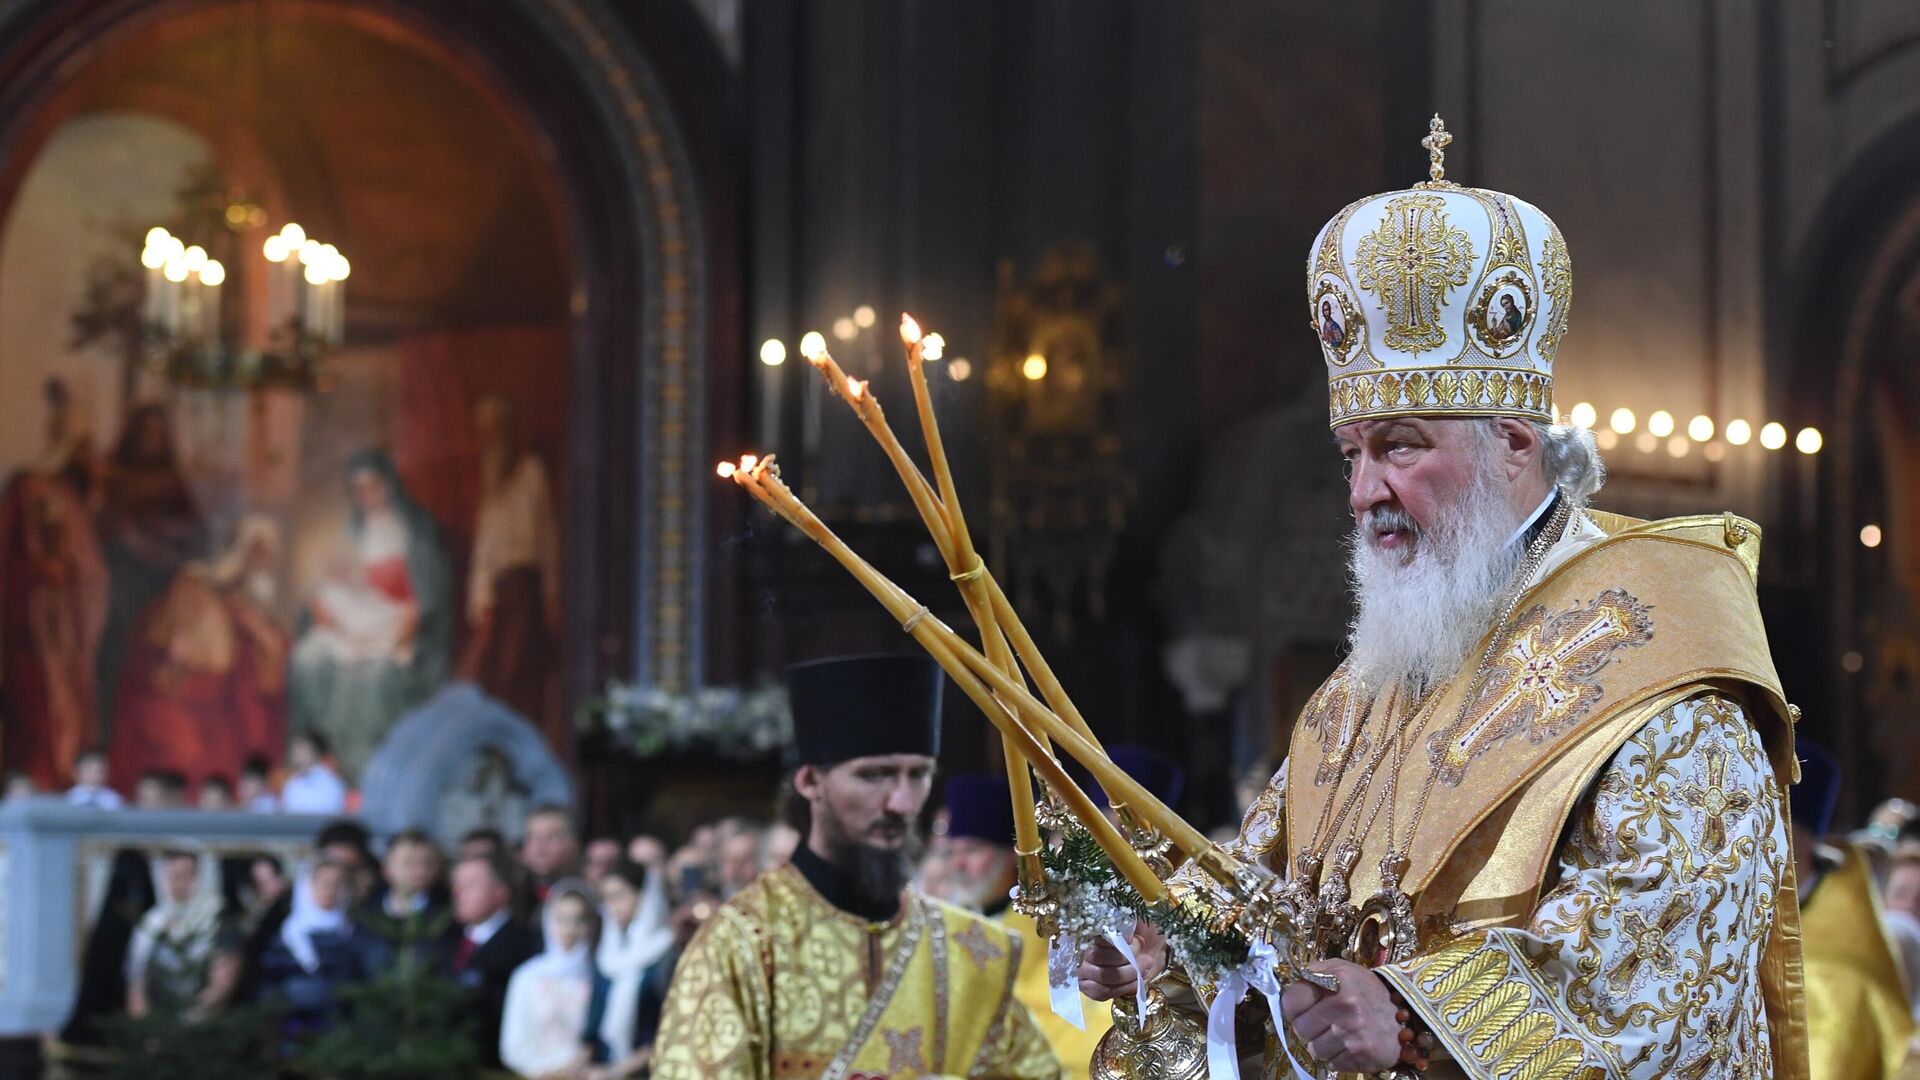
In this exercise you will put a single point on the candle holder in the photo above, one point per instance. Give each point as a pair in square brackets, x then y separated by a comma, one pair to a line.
[1160, 1043]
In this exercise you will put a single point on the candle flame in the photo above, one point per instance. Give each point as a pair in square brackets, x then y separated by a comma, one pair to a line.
[748, 461]
[933, 347]
[909, 329]
[813, 346]
[725, 470]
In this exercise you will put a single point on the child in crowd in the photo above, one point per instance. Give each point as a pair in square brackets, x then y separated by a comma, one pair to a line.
[256, 789]
[216, 793]
[160, 789]
[312, 787]
[90, 782]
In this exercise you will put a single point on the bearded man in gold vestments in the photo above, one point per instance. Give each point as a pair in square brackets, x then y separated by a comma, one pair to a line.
[832, 967]
[1553, 760]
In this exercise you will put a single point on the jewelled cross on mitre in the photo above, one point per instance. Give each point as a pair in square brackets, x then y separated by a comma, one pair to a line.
[1436, 142]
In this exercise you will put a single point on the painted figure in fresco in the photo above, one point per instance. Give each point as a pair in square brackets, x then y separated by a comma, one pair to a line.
[1503, 324]
[513, 585]
[205, 681]
[1332, 334]
[53, 603]
[150, 527]
[380, 623]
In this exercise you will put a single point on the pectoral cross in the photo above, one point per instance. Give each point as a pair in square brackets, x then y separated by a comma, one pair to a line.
[1436, 143]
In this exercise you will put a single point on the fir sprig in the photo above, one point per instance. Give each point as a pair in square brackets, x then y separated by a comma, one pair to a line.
[1078, 860]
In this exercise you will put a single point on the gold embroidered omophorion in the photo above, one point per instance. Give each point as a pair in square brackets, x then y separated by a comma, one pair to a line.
[781, 985]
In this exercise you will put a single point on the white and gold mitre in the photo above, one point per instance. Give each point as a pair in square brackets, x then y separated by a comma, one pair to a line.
[1439, 300]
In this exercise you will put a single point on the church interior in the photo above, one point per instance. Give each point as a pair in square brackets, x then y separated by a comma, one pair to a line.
[365, 364]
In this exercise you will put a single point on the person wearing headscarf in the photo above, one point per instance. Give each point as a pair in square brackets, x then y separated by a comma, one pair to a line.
[549, 996]
[184, 959]
[381, 628]
[636, 933]
[312, 955]
[834, 965]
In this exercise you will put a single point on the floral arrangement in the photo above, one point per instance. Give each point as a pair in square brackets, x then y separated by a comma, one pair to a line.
[1091, 892]
[741, 724]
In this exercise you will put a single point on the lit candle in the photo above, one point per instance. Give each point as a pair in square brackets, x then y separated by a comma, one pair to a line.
[868, 410]
[964, 665]
[213, 278]
[934, 515]
[967, 570]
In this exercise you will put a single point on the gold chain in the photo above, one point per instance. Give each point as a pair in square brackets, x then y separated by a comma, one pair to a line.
[1550, 536]
[1324, 830]
[1407, 737]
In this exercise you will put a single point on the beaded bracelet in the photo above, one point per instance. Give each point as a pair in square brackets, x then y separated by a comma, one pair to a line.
[1417, 1044]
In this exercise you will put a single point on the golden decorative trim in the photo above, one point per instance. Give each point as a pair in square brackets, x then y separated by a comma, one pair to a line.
[1440, 391]
[842, 1063]
[1557, 270]
[1409, 262]
[1488, 1009]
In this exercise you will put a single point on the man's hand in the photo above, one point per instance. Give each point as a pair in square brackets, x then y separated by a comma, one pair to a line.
[1105, 973]
[1353, 1030]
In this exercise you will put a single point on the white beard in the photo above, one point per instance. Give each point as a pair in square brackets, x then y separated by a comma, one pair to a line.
[1416, 621]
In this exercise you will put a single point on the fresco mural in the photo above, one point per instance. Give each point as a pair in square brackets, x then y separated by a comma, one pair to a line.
[189, 573]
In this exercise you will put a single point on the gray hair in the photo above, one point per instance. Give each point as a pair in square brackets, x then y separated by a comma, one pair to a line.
[1569, 457]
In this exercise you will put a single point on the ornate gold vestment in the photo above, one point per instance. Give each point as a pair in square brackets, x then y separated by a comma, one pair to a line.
[780, 985]
[1595, 847]
[1857, 1016]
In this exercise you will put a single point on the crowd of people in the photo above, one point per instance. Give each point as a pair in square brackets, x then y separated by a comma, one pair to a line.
[309, 783]
[563, 949]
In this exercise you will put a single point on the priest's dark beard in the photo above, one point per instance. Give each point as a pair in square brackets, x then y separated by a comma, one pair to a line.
[876, 874]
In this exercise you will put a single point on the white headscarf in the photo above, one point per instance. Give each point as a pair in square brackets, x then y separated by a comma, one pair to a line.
[548, 997]
[624, 956]
[308, 918]
[554, 961]
[195, 919]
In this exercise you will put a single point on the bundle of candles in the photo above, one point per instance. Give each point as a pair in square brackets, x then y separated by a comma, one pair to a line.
[1032, 720]
[182, 287]
[306, 288]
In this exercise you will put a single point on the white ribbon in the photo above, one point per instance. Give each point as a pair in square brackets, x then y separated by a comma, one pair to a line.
[1118, 935]
[1223, 1052]
[1063, 981]
[1063, 969]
